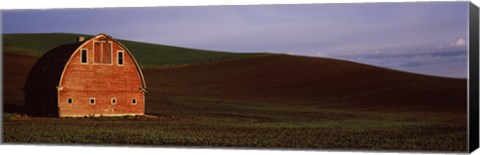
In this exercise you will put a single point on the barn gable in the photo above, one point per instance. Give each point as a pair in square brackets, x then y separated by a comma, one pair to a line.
[98, 76]
[107, 37]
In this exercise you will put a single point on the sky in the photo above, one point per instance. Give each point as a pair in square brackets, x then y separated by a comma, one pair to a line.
[425, 37]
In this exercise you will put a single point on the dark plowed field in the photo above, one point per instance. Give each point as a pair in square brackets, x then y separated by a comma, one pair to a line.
[15, 72]
[315, 82]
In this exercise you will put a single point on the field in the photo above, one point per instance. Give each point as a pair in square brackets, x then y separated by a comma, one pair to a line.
[266, 128]
[264, 101]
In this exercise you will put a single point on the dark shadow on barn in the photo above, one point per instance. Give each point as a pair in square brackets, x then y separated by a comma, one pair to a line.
[42, 81]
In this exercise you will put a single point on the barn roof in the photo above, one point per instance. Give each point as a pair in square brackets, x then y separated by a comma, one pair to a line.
[48, 70]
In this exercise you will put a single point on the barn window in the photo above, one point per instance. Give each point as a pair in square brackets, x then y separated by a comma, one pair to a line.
[114, 101]
[120, 57]
[92, 101]
[84, 57]
[134, 101]
[69, 100]
[102, 52]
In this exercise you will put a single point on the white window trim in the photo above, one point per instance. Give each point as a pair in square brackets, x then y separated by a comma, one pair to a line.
[111, 101]
[123, 57]
[111, 52]
[136, 101]
[69, 99]
[81, 52]
[94, 101]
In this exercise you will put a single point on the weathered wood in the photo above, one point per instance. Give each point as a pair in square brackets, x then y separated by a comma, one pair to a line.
[103, 79]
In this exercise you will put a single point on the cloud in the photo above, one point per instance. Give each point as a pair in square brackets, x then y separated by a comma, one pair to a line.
[320, 54]
[410, 64]
[450, 62]
[383, 34]
[458, 43]
[400, 54]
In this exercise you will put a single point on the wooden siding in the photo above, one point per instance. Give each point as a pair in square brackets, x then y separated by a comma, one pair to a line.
[102, 52]
[102, 81]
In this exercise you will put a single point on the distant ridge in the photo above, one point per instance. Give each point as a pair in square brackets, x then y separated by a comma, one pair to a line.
[149, 55]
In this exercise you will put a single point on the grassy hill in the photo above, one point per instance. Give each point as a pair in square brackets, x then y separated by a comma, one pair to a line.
[148, 55]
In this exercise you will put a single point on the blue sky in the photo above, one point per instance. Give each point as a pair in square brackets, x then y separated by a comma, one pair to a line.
[428, 38]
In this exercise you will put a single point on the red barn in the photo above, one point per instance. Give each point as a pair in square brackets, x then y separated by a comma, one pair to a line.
[94, 77]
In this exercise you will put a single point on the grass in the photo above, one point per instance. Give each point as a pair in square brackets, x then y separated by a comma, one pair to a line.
[14, 116]
[223, 123]
[216, 131]
[148, 55]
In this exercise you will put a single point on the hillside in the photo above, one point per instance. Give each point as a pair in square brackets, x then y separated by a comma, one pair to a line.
[148, 55]
[312, 82]
[267, 101]
[280, 79]
[283, 79]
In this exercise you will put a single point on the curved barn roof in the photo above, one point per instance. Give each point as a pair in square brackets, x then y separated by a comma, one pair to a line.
[48, 71]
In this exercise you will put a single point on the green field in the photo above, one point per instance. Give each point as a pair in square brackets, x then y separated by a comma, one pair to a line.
[207, 122]
[148, 55]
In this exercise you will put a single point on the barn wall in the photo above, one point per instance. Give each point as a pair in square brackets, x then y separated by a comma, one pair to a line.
[41, 84]
[102, 82]
[41, 102]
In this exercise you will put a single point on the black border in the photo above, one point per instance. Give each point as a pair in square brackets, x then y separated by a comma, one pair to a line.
[473, 128]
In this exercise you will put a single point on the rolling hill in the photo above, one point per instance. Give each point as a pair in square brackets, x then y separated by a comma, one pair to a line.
[148, 55]
[312, 82]
[279, 79]
[263, 100]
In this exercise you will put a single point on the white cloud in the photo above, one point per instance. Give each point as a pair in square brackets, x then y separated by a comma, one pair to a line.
[320, 54]
[459, 42]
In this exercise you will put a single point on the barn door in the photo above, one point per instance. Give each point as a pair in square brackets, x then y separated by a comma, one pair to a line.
[102, 52]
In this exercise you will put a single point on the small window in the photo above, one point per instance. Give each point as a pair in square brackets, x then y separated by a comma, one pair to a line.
[134, 101]
[69, 100]
[114, 101]
[92, 101]
[120, 57]
[84, 59]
